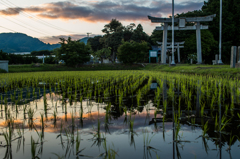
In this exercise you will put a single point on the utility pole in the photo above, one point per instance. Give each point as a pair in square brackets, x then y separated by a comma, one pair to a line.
[88, 34]
[173, 61]
[220, 36]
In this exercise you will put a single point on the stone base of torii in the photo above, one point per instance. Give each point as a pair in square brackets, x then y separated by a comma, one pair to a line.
[182, 26]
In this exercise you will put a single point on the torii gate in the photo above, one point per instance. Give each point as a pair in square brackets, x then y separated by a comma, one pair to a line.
[182, 26]
[178, 47]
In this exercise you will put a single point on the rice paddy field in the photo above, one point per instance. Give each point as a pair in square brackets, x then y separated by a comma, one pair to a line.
[118, 114]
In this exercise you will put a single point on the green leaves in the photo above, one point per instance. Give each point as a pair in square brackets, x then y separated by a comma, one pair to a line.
[130, 52]
[208, 45]
[73, 52]
[103, 53]
[112, 27]
[115, 32]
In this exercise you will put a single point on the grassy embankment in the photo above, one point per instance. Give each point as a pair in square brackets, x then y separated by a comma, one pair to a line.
[53, 67]
[216, 70]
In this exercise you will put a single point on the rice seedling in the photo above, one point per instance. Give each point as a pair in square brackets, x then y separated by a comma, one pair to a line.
[34, 149]
[177, 127]
[73, 122]
[65, 108]
[146, 144]
[109, 153]
[70, 135]
[155, 114]
[212, 103]
[98, 137]
[193, 121]
[138, 97]
[238, 115]
[122, 90]
[226, 109]
[131, 131]
[224, 122]
[54, 117]
[146, 139]
[31, 113]
[120, 98]
[10, 120]
[8, 136]
[189, 95]
[40, 135]
[230, 142]
[19, 131]
[125, 110]
[164, 107]
[216, 123]
[1, 101]
[42, 124]
[45, 103]
[205, 129]
[202, 109]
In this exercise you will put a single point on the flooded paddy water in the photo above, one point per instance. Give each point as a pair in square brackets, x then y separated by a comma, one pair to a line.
[118, 114]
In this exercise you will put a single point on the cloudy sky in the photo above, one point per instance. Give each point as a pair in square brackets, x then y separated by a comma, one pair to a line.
[50, 19]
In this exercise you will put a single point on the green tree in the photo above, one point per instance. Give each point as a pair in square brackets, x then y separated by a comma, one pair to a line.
[130, 52]
[139, 35]
[115, 32]
[73, 52]
[95, 43]
[18, 59]
[113, 41]
[112, 27]
[231, 24]
[113, 36]
[103, 53]
[3, 56]
[128, 32]
[157, 35]
[209, 45]
[41, 52]
[49, 60]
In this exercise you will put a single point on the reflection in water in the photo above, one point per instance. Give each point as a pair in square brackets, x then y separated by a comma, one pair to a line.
[164, 90]
[173, 121]
[220, 123]
[59, 118]
[8, 153]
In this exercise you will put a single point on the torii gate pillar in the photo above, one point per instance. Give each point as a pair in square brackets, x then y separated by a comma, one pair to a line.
[178, 51]
[199, 44]
[176, 46]
[164, 48]
[182, 21]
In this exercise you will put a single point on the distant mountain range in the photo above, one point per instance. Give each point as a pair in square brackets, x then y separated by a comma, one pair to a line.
[19, 42]
[84, 40]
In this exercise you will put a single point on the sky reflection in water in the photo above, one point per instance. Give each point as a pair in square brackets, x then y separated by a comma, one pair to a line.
[127, 143]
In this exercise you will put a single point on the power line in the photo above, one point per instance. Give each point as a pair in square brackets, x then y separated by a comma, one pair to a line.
[39, 20]
[8, 29]
[24, 26]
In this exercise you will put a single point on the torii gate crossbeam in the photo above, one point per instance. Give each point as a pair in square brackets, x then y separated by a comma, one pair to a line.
[176, 46]
[182, 21]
